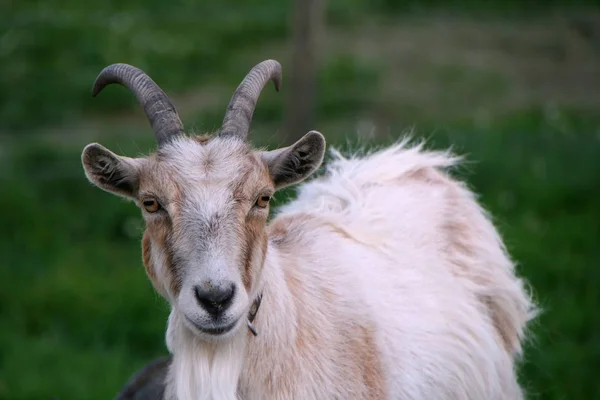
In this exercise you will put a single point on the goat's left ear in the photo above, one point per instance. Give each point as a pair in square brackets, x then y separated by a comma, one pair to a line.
[297, 162]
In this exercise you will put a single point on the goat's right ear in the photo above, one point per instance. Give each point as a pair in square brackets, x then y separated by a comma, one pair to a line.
[110, 172]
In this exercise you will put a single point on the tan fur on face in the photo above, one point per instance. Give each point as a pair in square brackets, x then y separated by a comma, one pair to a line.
[155, 183]
[254, 244]
[174, 179]
[158, 235]
[149, 265]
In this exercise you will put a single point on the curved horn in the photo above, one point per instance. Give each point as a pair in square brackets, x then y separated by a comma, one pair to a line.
[158, 108]
[241, 106]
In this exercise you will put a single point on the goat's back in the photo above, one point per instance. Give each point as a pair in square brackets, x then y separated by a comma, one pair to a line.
[403, 246]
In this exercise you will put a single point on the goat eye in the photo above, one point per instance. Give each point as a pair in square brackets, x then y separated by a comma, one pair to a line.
[263, 201]
[151, 205]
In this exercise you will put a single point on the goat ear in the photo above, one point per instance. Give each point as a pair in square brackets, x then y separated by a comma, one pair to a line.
[110, 172]
[295, 163]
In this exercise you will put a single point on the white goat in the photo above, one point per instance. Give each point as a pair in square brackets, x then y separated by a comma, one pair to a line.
[384, 279]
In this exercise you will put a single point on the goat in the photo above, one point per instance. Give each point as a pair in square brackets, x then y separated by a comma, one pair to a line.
[148, 383]
[383, 279]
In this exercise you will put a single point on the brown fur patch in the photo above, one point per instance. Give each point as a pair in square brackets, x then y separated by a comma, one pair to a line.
[252, 178]
[287, 230]
[460, 233]
[254, 236]
[263, 254]
[160, 230]
[367, 351]
[339, 230]
[202, 139]
[307, 336]
[159, 233]
[149, 266]
[240, 186]
[329, 294]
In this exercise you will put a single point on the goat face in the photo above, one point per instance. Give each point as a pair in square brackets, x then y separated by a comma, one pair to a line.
[205, 201]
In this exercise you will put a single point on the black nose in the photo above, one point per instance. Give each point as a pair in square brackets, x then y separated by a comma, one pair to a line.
[215, 299]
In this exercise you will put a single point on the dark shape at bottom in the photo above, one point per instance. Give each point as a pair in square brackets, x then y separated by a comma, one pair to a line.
[148, 383]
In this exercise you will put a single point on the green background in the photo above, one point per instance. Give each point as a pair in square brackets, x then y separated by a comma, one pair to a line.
[514, 86]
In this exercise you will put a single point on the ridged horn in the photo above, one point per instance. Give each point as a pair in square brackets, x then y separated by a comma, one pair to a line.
[241, 106]
[160, 111]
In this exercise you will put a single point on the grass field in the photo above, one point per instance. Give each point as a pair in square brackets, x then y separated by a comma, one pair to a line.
[517, 92]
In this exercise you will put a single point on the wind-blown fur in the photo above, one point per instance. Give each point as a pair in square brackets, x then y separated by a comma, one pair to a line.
[383, 279]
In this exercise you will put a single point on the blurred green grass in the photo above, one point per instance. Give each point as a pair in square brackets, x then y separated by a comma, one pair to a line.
[53, 48]
[78, 315]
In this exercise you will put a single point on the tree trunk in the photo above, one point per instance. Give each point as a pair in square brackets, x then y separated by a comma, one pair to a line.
[308, 17]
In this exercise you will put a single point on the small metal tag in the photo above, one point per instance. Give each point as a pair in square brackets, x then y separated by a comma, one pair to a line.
[252, 328]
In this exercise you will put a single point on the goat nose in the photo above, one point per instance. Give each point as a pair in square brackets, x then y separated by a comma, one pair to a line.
[215, 299]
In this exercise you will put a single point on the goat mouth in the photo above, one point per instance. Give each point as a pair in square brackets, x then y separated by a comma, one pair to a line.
[219, 330]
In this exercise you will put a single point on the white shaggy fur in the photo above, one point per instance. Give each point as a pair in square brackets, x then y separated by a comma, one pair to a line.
[386, 244]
